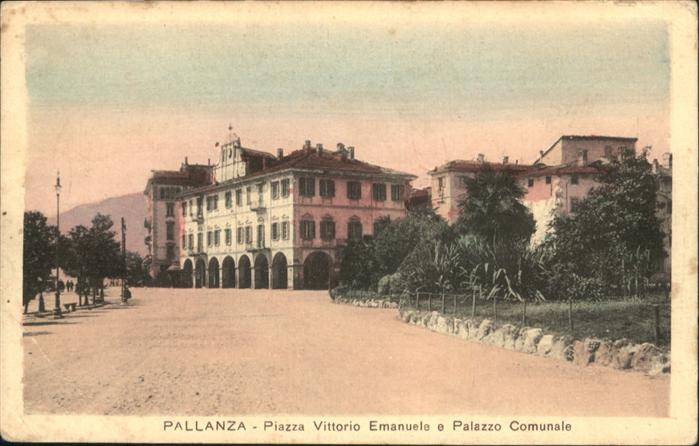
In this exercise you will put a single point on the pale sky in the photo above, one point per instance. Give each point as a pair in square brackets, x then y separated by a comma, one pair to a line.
[108, 104]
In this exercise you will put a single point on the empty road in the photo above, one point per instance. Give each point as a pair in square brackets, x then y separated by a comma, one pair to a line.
[219, 352]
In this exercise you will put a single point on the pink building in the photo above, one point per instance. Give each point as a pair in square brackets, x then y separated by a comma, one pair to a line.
[448, 182]
[161, 216]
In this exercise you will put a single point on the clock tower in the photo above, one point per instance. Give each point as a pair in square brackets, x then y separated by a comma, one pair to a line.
[230, 164]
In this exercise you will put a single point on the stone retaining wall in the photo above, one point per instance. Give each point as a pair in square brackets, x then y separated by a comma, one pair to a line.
[368, 303]
[620, 354]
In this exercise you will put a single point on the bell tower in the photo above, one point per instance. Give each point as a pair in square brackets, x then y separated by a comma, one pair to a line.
[230, 164]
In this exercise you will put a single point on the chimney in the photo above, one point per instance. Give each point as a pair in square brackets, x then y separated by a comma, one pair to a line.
[280, 153]
[351, 152]
[340, 147]
[208, 162]
[481, 158]
[667, 160]
[319, 147]
[186, 161]
[517, 161]
[307, 144]
[505, 159]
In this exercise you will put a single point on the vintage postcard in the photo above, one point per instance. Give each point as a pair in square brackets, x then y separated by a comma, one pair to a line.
[349, 222]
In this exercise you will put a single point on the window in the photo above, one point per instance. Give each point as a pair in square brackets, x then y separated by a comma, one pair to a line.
[308, 229]
[190, 243]
[170, 209]
[215, 202]
[229, 237]
[327, 188]
[208, 204]
[162, 193]
[217, 237]
[184, 208]
[327, 229]
[608, 152]
[260, 236]
[238, 197]
[574, 179]
[200, 241]
[354, 229]
[397, 192]
[574, 204]
[285, 230]
[379, 191]
[191, 208]
[275, 231]
[209, 238]
[285, 188]
[248, 195]
[170, 230]
[354, 190]
[440, 183]
[275, 190]
[229, 200]
[184, 241]
[307, 186]
[240, 235]
[530, 182]
[248, 235]
[464, 180]
[170, 252]
[199, 205]
[548, 179]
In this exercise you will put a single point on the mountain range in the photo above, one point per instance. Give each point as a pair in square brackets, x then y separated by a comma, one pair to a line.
[132, 207]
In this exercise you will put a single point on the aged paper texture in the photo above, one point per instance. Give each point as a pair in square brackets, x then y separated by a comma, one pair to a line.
[486, 257]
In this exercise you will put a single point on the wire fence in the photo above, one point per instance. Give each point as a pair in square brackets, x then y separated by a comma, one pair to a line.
[641, 319]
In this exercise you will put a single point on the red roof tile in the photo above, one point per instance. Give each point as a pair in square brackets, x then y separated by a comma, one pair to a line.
[475, 166]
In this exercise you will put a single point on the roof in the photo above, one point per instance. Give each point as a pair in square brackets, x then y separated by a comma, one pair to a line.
[564, 169]
[586, 138]
[310, 159]
[254, 152]
[476, 166]
[189, 175]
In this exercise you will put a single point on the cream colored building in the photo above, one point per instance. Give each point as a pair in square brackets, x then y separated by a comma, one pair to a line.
[278, 221]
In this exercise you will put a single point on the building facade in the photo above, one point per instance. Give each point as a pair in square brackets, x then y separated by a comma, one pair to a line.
[448, 182]
[161, 221]
[279, 221]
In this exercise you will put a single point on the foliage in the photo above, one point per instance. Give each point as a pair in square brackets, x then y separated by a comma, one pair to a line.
[358, 265]
[492, 209]
[94, 253]
[136, 269]
[38, 256]
[614, 233]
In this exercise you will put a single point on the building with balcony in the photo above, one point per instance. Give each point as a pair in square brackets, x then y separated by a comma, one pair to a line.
[161, 220]
[278, 221]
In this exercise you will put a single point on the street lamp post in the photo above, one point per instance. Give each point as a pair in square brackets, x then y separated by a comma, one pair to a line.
[57, 309]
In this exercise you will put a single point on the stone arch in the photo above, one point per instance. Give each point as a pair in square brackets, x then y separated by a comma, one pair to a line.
[244, 272]
[200, 273]
[261, 271]
[228, 273]
[316, 271]
[187, 269]
[214, 273]
[279, 271]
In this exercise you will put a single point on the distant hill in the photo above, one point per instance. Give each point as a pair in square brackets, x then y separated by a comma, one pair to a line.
[132, 207]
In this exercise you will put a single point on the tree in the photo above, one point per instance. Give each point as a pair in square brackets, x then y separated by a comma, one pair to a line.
[614, 235]
[492, 209]
[358, 264]
[397, 238]
[38, 256]
[136, 272]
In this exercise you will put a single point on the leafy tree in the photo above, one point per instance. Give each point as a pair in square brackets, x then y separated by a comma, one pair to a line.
[358, 264]
[492, 209]
[136, 271]
[614, 232]
[38, 257]
[397, 238]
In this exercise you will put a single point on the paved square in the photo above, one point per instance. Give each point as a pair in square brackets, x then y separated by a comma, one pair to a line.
[228, 351]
